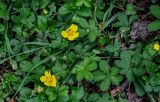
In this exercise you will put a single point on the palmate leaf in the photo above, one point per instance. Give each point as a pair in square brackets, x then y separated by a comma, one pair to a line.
[154, 9]
[125, 65]
[26, 66]
[107, 76]
[4, 12]
[65, 9]
[154, 26]
[83, 70]
[77, 94]
[42, 23]
[105, 84]
[104, 66]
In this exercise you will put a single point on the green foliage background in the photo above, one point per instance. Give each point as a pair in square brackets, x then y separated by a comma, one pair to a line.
[31, 42]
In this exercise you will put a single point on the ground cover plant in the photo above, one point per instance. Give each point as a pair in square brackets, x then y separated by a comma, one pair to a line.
[79, 51]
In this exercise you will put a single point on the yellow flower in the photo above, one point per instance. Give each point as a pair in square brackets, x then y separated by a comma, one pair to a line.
[71, 33]
[48, 79]
[156, 46]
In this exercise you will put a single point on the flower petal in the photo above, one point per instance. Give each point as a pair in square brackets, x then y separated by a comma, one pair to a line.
[73, 27]
[43, 78]
[71, 38]
[156, 46]
[76, 34]
[64, 34]
[47, 83]
[47, 74]
[53, 84]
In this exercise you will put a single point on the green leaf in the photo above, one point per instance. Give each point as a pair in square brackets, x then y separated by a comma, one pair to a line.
[148, 88]
[154, 26]
[104, 66]
[92, 24]
[2, 28]
[80, 75]
[105, 84]
[115, 47]
[36, 60]
[130, 75]
[132, 19]
[43, 3]
[123, 19]
[92, 35]
[150, 66]
[25, 91]
[65, 9]
[85, 12]
[26, 66]
[87, 3]
[116, 79]
[93, 97]
[77, 94]
[79, 2]
[42, 23]
[49, 91]
[52, 97]
[25, 12]
[154, 9]
[3, 12]
[91, 66]
[88, 75]
[139, 89]
[83, 23]
[98, 75]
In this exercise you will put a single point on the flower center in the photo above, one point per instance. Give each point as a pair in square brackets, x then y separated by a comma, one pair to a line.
[50, 80]
[70, 32]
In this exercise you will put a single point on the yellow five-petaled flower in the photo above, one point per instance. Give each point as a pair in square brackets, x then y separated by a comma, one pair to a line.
[71, 33]
[156, 46]
[48, 79]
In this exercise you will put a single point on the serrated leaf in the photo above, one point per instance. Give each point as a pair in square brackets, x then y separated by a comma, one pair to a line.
[154, 9]
[91, 66]
[105, 84]
[42, 23]
[4, 12]
[80, 76]
[2, 28]
[92, 35]
[83, 23]
[116, 80]
[43, 3]
[98, 75]
[132, 19]
[77, 94]
[79, 2]
[148, 88]
[154, 26]
[65, 9]
[87, 3]
[26, 66]
[139, 89]
[85, 12]
[104, 66]
[88, 75]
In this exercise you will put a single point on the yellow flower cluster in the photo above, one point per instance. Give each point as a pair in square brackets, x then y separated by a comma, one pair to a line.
[48, 79]
[71, 33]
[156, 46]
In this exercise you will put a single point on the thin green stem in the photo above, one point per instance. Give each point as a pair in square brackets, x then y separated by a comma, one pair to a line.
[6, 59]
